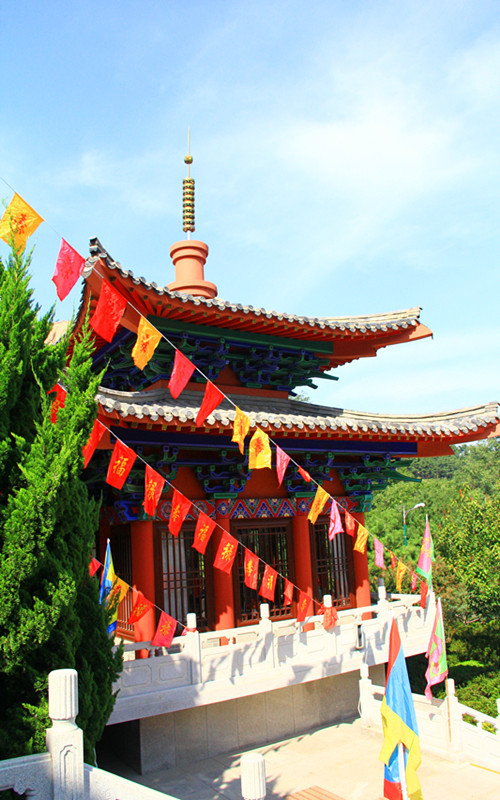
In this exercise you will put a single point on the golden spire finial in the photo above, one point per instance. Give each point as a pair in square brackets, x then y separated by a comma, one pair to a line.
[188, 195]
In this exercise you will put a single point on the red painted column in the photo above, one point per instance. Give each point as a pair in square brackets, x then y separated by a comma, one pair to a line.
[302, 552]
[361, 571]
[143, 576]
[223, 583]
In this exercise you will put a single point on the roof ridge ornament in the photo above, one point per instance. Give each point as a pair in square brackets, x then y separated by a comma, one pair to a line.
[188, 194]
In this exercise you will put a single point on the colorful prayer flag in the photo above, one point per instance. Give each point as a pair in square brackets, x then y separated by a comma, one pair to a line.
[288, 593]
[145, 344]
[120, 464]
[414, 579]
[437, 670]
[282, 461]
[204, 529]
[423, 594]
[394, 561]
[426, 557]
[400, 573]
[18, 222]
[268, 584]
[361, 539]
[178, 513]
[226, 552]
[181, 373]
[251, 569]
[69, 267]
[95, 437]
[153, 488]
[335, 525]
[379, 553]
[139, 609]
[303, 606]
[304, 474]
[330, 616]
[108, 312]
[107, 580]
[399, 723]
[119, 590]
[351, 524]
[317, 504]
[259, 451]
[241, 426]
[211, 399]
[165, 631]
[93, 567]
[58, 402]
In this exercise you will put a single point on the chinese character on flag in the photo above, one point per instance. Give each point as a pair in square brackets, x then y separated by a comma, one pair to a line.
[241, 426]
[165, 631]
[140, 607]
[268, 585]
[145, 344]
[94, 439]
[69, 267]
[282, 461]
[259, 451]
[211, 399]
[288, 593]
[318, 504]
[108, 312]
[204, 529]
[58, 402]
[18, 222]
[178, 513]
[303, 606]
[226, 552]
[181, 373]
[120, 465]
[400, 573]
[153, 487]
[251, 569]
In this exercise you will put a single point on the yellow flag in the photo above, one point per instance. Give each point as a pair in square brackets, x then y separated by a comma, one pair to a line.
[259, 455]
[120, 589]
[361, 539]
[319, 501]
[241, 427]
[146, 343]
[400, 572]
[18, 222]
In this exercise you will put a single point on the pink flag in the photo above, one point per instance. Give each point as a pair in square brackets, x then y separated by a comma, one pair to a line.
[437, 670]
[426, 557]
[335, 521]
[414, 579]
[69, 267]
[379, 553]
[282, 461]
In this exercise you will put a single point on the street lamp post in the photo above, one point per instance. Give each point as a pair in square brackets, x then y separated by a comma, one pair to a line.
[405, 512]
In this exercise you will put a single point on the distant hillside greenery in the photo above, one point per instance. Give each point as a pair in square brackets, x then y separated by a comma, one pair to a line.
[461, 493]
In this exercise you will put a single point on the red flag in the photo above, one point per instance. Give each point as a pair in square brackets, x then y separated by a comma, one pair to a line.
[211, 399]
[251, 569]
[204, 529]
[165, 631]
[423, 593]
[140, 607]
[181, 373]
[153, 487]
[108, 312]
[335, 521]
[304, 474]
[268, 585]
[414, 579]
[58, 401]
[282, 461]
[394, 561]
[93, 567]
[94, 439]
[351, 524]
[120, 465]
[178, 513]
[303, 606]
[69, 267]
[288, 593]
[330, 618]
[226, 553]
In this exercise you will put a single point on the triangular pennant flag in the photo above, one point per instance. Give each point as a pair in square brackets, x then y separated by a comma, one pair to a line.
[108, 578]
[426, 557]
[181, 373]
[241, 426]
[303, 606]
[330, 618]
[204, 529]
[400, 573]
[178, 513]
[139, 609]
[423, 593]
[145, 344]
[335, 525]
[351, 524]
[304, 474]
[282, 461]
[268, 585]
[414, 578]
[18, 222]
[93, 566]
[259, 451]
[211, 399]
[58, 402]
[437, 669]
[394, 561]
[108, 312]
[379, 553]
[251, 569]
[318, 504]
[69, 267]
[226, 552]
[120, 465]
[288, 593]
[361, 539]
[153, 487]
[165, 631]
[95, 437]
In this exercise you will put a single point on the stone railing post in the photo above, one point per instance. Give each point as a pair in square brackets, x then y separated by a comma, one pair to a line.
[193, 648]
[253, 776]
[266, 633]
[65, 739]
[368, 709]
[454, 719]
[331, 634]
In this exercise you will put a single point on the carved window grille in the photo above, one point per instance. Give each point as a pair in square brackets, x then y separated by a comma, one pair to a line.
[333, 565]
[184, 577]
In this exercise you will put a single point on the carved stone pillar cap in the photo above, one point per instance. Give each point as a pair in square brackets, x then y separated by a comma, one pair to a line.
[63, 694]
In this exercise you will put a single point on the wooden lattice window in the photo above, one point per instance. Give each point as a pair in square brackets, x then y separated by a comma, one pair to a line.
[333, 565]
[272, 542]
[184, 577]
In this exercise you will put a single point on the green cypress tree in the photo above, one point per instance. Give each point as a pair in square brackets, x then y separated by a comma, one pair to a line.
[50, 616]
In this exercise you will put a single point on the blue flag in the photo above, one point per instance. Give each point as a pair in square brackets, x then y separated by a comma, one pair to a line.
[107, 581]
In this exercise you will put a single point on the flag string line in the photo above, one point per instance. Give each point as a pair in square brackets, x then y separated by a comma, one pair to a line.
[231, 402]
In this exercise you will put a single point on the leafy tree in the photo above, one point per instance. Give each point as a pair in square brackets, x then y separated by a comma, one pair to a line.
[49, 611]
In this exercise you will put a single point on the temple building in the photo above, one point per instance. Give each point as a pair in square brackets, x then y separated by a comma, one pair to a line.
[259, 359]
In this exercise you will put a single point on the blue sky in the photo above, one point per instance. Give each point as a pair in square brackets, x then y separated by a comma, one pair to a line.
[346, 157]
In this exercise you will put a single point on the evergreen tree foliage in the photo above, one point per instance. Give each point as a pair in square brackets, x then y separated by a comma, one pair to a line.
[50, 616]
